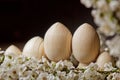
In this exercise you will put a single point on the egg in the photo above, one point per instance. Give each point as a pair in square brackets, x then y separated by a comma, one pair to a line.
[57, 42]
[41, 49]
[81, 65]
[85, 44]
[34, 48]
[13, 51]
[104, 58]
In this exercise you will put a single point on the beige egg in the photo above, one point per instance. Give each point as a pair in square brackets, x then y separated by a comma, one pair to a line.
[13, 51]
[34, 48]
[42, 50]
[85, 44]
[57, 42]
[81, 65]
[104, 58]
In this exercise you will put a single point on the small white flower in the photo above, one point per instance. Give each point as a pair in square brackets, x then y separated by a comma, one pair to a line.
[109, 67]
[62, 75]
[71, 76]
[42, 76]
[118, 63]
[114, 5]
[88, 3]
[102, 4]
[1, 52]
[114, 46]
[114, 76]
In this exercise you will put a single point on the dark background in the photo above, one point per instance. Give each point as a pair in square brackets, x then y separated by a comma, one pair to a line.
[22, 19]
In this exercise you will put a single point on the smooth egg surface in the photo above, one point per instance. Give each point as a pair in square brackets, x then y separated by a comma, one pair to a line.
[85, 44]
[57, 42]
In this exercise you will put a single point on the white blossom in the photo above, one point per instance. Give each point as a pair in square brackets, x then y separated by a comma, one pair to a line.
[105, 14]
[114, 46]
[114, 76]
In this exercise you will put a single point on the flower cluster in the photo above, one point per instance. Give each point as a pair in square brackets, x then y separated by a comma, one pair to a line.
[24, 68]
[106, 14]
